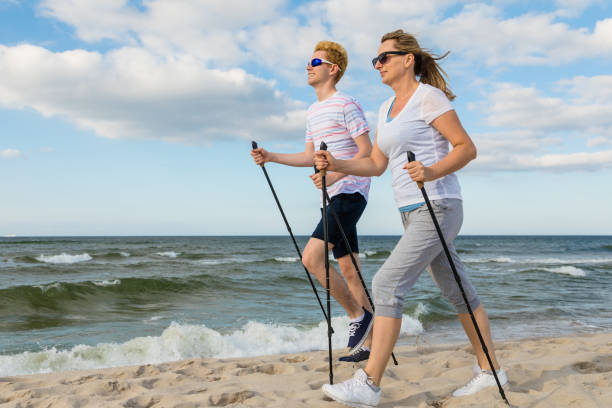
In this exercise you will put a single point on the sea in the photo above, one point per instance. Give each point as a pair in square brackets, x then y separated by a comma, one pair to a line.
[74, 303]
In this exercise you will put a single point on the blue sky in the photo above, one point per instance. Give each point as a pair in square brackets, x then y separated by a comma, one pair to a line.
[135, 117]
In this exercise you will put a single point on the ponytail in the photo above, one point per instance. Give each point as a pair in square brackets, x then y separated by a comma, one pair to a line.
[425, 63]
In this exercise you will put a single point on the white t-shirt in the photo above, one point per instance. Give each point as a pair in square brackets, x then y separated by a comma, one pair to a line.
[411, 130]
[337, 121]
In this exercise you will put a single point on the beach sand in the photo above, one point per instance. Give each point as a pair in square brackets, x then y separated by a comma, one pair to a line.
[556, 372]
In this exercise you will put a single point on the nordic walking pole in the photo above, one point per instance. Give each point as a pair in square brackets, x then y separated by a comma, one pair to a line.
[326, 236]
[297, 248]
[411, 158]
[350, 251]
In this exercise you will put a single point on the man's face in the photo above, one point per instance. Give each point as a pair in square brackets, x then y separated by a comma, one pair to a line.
[318, 74]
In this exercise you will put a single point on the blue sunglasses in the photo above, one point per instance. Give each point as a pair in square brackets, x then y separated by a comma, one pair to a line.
[315, 62]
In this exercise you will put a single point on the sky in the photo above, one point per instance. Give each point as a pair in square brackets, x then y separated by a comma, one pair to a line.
[135, 117]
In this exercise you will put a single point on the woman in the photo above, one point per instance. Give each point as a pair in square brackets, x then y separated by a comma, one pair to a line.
[419, 118]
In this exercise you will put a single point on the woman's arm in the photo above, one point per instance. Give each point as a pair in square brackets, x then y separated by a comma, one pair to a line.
[374, 165]
[365, 148]
[463, 151]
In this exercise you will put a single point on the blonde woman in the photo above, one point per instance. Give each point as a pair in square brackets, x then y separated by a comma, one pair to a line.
[421, 119]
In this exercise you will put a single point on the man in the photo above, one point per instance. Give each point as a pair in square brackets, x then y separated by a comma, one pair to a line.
[338, 120]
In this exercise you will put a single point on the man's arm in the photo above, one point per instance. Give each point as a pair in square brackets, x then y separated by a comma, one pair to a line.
[303, 159]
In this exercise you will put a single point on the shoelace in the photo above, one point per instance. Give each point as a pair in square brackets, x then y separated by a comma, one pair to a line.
[357, 381]
[475, 378]
[353, 327]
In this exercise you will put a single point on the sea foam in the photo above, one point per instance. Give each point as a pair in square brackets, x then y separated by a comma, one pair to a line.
[182, 341]
[567, 270]
[64, 258]
[169, 254]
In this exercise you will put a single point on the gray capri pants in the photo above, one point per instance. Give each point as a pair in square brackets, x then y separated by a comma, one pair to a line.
[420, 248]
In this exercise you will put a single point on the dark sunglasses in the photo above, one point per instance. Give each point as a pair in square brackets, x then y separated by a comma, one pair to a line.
[383, 57]
[315, 62]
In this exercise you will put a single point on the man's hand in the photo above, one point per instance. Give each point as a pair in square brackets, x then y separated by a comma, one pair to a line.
[330, 178]
[260, 156]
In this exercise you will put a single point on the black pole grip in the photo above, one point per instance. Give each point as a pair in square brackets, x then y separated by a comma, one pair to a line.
[323, 146]
[410, 155]
[254, 144]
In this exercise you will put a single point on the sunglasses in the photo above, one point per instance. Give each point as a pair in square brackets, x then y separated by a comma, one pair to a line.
[315, 62]
[383, 57]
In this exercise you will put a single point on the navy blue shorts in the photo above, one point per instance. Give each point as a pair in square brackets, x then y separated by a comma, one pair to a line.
[349, 208]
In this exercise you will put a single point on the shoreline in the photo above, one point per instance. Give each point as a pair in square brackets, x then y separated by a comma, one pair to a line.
[568, 371]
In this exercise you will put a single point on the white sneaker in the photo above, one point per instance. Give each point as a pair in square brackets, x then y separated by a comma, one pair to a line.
[481, 380]
[358, 392]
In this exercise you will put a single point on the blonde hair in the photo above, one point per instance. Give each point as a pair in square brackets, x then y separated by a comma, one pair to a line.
[335, 53]
[425, 65]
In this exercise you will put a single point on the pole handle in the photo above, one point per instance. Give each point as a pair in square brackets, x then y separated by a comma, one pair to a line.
[254, 145]
[411, 158]
[322, 147]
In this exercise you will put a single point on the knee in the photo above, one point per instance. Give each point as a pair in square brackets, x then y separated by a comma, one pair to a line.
[309, 260]
[348, 269]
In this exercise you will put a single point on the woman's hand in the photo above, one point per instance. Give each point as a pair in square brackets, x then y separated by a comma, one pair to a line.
[260, 156]
[419, 173]
[324, 160]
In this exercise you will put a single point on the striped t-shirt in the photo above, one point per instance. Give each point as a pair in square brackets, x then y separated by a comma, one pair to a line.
[337, 121]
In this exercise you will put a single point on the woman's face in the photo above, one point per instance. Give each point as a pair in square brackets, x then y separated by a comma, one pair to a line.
[395, 66]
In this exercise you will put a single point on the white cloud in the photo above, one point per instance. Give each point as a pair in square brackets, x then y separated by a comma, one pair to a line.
[530, 125]
[583, 109]
[573, 8]
[209, 30]
[571, 161]
[10, 154]
[480, 33]
[131, 93]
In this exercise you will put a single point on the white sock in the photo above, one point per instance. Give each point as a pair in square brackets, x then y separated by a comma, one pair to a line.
[358, 319]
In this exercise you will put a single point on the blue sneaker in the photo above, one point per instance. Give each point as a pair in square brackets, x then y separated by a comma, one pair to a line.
[358, 331]
[359, 355]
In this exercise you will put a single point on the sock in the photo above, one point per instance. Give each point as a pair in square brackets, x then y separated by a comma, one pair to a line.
[358, 319]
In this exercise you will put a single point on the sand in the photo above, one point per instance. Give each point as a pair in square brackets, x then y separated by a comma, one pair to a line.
[555, 372]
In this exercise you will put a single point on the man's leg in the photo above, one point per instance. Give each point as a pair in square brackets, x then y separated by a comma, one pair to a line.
[313, 259]
[352, 280]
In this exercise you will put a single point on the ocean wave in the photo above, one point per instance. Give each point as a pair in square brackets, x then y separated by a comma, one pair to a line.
[112, 255]
[538, 261]
[287, 259]
[182, 341]
[566, 270]
[71, 295]
[169, 254]
[375, 254]
[107, 282]
[233, 259]
[64, 258]
[495, 259]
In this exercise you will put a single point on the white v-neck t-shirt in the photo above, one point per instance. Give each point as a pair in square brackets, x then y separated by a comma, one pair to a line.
[411, 130]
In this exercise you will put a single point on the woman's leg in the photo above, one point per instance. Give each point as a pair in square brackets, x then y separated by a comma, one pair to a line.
[483, 324]
[385, 333]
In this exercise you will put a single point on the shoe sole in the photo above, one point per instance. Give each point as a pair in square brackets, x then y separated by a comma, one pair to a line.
[354, 361]
[363, 339]
[348, 403]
